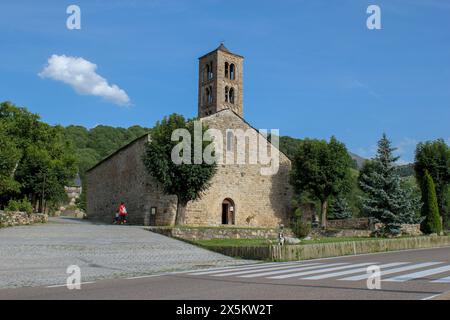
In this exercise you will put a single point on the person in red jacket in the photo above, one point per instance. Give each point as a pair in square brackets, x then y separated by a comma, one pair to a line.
[122, 213]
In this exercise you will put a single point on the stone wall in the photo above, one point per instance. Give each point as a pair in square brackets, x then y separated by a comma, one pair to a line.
[10, 219]
[122, 177]
[219, 233]
[324, 250]
[260, 201]
[354, 223]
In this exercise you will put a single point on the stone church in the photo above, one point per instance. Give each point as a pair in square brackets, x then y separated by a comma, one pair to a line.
[239, 194]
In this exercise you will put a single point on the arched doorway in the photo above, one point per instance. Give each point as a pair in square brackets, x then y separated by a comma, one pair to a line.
[228, 211]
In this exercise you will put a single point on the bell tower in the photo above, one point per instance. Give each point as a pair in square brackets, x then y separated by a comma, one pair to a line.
[220, 82]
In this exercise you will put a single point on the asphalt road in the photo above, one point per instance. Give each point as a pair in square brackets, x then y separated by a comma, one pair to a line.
[411, 275]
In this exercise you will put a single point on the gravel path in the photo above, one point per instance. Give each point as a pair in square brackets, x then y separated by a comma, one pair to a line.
[40, 254]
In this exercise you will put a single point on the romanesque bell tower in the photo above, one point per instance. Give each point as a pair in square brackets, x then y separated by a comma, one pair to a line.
[220, 82]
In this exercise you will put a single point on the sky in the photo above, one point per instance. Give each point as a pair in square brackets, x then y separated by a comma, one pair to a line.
[312, 68]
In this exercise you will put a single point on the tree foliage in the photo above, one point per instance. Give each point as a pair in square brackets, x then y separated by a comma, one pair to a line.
[36, 161]
[434, 157]
[321, 168]
[186, 181]
[387, 198]
[340, 209]
[430, 210]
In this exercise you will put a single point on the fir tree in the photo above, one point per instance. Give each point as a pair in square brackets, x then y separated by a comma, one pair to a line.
[340, 208]
[430, 209]
[386, 198]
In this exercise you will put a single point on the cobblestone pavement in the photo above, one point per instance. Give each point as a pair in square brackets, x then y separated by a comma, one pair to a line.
[40, 254]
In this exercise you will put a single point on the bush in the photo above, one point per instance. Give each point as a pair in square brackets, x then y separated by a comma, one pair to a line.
[301, 228]
[430, 209]
[23, 206]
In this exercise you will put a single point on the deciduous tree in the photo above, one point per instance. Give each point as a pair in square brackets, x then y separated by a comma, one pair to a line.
[186, 181]
[321, 168]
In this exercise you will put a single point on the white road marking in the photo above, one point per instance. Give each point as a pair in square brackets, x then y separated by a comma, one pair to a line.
[148, 276]
[260, 266]
[442, 280]
[263, 274]
[357, 270]
[65, 285]
[299, 274]
[266, 269]
[431, 297]
[419, 274]
[227, 267]
[396, 270]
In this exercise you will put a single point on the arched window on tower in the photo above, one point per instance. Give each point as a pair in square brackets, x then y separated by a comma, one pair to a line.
[226, 69]
[231, 95]
[210, 72]
[209, 95]
[232, 72]
[207, 71]
[226, 93]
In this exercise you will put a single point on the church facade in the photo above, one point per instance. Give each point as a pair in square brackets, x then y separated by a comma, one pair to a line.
[239, 193]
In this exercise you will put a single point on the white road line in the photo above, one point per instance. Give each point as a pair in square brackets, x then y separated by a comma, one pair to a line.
[396, 270]
[419, 274]
[245, 268]
[442, 280]
[306, 267]
[264, 269]
[431, 297]
[228, 267]
[299, 274]
[345, 272]
[65, 285]
[148, 276]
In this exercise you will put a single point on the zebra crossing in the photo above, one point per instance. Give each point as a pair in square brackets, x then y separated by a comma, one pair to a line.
[402, 271]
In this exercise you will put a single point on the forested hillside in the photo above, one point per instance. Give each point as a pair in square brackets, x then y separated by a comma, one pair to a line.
[92, 145]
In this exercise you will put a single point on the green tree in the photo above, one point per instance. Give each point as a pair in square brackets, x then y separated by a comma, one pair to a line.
[340, 209]
[430, 209]
[323, 169]
[186, 181]
[434, 157]
[40, 160]
[9, 157]
[386, 197]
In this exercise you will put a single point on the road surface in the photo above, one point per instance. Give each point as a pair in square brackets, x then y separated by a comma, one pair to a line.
[413, 274]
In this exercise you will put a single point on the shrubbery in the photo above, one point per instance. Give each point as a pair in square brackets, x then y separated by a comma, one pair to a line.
[300, 228]
[430, 209]
[22, 205]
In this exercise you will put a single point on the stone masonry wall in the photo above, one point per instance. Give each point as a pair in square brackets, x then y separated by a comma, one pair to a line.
[354, 223]
[260, 201]
[220, 233]
[10, 219]
[123, 177]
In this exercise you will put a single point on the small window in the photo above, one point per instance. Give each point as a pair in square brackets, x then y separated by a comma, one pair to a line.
[226, 94]
[230, 140]
[226, 69]
[231, 95]
[232, 72]
[210, 71]
[209, 95]
[153, 211]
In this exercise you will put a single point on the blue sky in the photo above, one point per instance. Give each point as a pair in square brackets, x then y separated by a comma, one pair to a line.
[312, 68]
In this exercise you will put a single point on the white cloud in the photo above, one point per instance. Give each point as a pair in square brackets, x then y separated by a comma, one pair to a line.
[81, 75]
